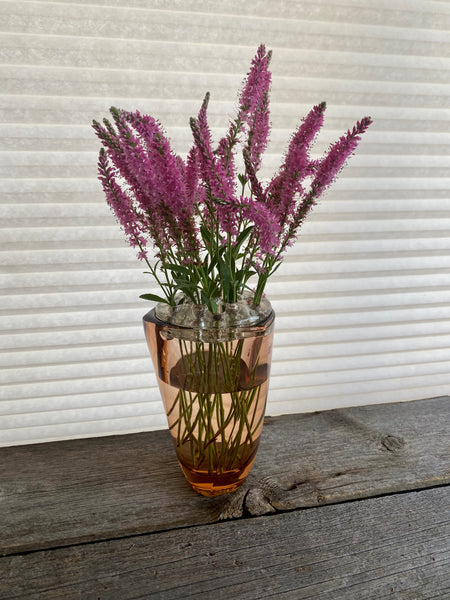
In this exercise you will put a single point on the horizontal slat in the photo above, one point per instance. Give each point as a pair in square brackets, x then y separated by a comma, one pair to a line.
[73, 354]
[398, 185]
[113, 253]
[182, 135]
[339, 295]
[323, 219]
[353, 387]
[294, 32]
[289, 402]
[328, 368]
[58, 119]
[80, 401]
[389, 350]
[67, 81]
[377, 335]
[115, 53]
[80, 168]
[309, 244]
[82, 230]
[356, 214]
[402, 149]
[81, 385]
[88, 160]
[61, 337]
[404, 143]
[322, 385]
[60, 416]
[293, 308]
[332, 284]
[319, 328]
[82, 429]
[404, 13]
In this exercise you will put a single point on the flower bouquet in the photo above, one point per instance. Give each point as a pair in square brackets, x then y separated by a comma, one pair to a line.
[216, 236]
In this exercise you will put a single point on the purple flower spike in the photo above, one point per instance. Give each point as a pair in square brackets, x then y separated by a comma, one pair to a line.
[326, 173]
[297, 165]
[254, 105]
[266, 226]
[252, 116]
[119, 201]
[339, 153]
[258, 135]
[211, 168]
[256, 85]
[297, 158]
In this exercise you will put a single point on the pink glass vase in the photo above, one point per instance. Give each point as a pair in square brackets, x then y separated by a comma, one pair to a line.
[213, 377]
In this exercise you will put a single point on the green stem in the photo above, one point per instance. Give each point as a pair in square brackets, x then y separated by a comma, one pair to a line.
[215, 433]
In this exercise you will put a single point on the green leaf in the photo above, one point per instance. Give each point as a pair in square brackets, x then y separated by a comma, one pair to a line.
[226, 278]
[153, 298]
[183, 284]
[244, 275]
[243, 236]
[179, 269]
[210, 303]
[212, 265]
[206, 234]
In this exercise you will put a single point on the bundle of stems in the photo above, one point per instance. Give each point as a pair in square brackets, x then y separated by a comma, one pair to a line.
[220, 408]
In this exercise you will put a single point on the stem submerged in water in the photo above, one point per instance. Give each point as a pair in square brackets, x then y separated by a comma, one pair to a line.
[215, 429]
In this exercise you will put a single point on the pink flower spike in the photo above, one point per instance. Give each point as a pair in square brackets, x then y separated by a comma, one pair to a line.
[252, 115]
[258, 134]
[256, 84]
[220, 187]
[284, 187]
[297, 155]
[119, 201]
[266, 226]
[191, 175]
[256, 187]
[336, 158]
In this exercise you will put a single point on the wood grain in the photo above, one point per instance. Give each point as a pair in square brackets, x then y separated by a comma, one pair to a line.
[394, 547]
[65, 493]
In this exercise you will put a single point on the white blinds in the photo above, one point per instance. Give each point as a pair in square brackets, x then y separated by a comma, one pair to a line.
[362, 301]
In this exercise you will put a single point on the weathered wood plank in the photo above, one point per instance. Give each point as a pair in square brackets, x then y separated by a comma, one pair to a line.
[83, 490]
[391, 547]
[359, 452]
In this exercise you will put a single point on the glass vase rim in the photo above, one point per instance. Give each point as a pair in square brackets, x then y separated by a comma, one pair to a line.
[225, 321]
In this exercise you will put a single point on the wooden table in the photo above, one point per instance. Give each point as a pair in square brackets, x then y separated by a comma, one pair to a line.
[342, 504]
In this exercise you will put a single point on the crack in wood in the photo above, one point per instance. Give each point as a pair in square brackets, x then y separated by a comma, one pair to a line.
[269, 495]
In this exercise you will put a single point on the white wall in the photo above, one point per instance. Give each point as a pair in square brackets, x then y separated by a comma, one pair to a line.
[362, 301]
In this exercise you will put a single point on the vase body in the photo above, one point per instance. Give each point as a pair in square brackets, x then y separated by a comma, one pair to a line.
[213, 377]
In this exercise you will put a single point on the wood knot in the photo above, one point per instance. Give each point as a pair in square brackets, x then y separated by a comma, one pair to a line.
[270, 486]
[259, 499]
[392, 443]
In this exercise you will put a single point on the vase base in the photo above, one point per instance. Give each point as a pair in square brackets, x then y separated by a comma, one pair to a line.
[214, 490]
[215, 484]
